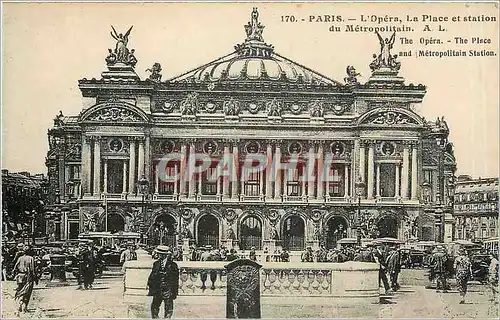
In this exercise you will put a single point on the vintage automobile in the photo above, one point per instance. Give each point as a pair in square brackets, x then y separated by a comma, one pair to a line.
[480, 263]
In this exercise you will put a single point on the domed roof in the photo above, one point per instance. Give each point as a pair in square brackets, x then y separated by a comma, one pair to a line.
[254, 60]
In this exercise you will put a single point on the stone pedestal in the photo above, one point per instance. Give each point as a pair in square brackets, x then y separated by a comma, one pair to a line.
[229, 244]
[57, 269]
[271, 245]
[315, 245]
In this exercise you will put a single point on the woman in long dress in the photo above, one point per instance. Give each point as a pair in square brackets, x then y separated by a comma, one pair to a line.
[24, 270]
[463, 271]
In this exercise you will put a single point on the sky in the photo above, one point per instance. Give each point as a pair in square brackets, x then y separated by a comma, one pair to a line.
[48, 47]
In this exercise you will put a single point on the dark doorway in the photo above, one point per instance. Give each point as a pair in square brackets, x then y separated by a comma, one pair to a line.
[208, 231]
[293, 233]
[163, 230]
[251, 233]
[388, 227]
[115, 222]
[336, 229]
[73, 230]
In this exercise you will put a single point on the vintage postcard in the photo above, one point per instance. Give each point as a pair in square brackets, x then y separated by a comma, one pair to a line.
[250, 160]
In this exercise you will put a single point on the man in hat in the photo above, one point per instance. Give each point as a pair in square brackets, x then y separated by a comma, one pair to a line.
[163, 282]
[129, 253]
[86, 266]
[394, 267]
[24, 271]
[493, 277]
[252, 255]
[307, 255]
[438, 262]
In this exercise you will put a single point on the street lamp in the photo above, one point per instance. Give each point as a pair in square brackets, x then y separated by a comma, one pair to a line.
[143, 188]
[360, 189]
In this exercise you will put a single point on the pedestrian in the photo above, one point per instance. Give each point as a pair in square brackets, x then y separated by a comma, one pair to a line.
[129, 253]
[86, 267]
[379, 256]
[24, 271]
[438, 261]
[493, 277]
[252, 255]
[394, 267]
[307, 255]
[163, 282]
[463, 271]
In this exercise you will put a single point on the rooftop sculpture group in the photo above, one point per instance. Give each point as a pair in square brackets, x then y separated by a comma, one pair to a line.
[385, 59]
[121, 54]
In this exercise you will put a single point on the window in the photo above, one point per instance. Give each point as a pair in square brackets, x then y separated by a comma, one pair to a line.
[74, 172]
[337, 180]
[252, 183]
[294, 183]
[167, 187]
[209, 182]
[387, 180]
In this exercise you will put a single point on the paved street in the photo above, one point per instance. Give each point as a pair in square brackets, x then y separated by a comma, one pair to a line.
[105, 301]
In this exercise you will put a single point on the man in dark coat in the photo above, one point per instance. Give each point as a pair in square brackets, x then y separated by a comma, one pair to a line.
[438, 262]
[394, 267]
[86, 266]
[163, 282]
[380, 258]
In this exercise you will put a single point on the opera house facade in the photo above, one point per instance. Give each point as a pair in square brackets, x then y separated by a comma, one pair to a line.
[329, 159]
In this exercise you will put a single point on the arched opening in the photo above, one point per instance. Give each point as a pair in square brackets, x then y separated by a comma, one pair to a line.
[208, 231]
[387, 227]
[163, 230]
[251, 233]
[293, 233]
[336, 229]
[115, 222]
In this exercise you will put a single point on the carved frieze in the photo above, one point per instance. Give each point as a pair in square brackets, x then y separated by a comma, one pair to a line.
[114, 114]
[390, 118]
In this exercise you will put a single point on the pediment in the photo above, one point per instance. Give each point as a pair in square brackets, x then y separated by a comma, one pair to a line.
[390, 117]
[114, 112]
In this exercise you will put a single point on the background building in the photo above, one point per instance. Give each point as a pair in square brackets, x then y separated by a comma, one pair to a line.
[23, 199]
[476, 208]
[106, 169]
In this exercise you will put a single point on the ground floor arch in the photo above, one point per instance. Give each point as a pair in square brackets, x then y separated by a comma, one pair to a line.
[163, 230]
[115, 222]
[387, 226]
[293, 233]
[336, 229]
[208, 231]
[251, 233]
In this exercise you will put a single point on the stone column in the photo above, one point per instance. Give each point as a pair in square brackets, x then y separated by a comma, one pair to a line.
[218, 182]
[86, 161]
[97, 166]
[157, 177]
[346, 180]
[286, 172]
[378, 180]
[414, 172]
[371, 170]
[310, 170]
[396, 192]
[176, 191]
[243, 177]
[131, 168]
[183, 170]
[261, 184]
[269, 154]
[304, 193]
[191, 165]
[105, 177]
[362, 160]
[147, 158]
[405, 172]
[319, 173]
[277, 179]
[226, 179]
[124, 177]
[235, 169]
[140, 161]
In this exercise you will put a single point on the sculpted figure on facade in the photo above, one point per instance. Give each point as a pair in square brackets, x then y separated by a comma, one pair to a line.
[121, 50]
[316, 109]
[155, 72]
[351, 78]
[273, 108]
[231, 107]
[190, 105]
[254, 28]
[58, 120]
[385, 59]
[230, 235]
[273, 233]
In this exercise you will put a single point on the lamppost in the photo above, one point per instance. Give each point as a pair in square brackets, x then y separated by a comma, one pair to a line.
[360, 188]
[451, 205]
[143, 188]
